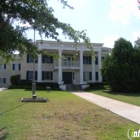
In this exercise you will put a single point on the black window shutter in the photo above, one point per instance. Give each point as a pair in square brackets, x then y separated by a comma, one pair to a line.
[4, 66]
[36, 61]
[51, 59]
[19, 66]
[96, 60]
[83, 59]
[4, 80]
[51, 75]
[35, 75]
[90, 77]
[89, 59]
[27, 75]
[73, 75]
[42, 75]
[42, 58]
[13, 66]
[27, 58]
[84, 75]
[96, 75]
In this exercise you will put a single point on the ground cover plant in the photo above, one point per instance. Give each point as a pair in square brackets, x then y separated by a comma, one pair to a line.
[64, 117]
[132, 98]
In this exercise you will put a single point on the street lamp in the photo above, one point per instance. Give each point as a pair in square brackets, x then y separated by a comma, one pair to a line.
[34, 84]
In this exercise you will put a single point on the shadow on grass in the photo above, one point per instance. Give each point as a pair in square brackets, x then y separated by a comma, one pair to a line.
[12, 109]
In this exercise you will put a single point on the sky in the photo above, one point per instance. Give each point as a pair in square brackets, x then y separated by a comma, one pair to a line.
[104, 21]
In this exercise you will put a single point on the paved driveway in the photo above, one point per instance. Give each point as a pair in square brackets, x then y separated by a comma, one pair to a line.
[126, 110]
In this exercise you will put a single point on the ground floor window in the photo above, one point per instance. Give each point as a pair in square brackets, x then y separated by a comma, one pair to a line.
[87, 76]
[30, 75]
[47, 75]
[2, 80]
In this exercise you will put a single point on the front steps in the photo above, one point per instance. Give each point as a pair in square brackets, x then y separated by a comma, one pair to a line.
[71, 87]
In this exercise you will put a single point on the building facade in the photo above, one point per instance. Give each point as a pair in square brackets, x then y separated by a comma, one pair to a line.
[73, 66]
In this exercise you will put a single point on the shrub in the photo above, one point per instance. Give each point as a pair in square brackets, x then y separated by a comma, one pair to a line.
[14, 79]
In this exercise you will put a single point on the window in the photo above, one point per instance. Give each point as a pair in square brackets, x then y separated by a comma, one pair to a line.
[16, 66]
[86, 59]
[3, 66]
[102, 58]
[87, 76]
[30, 59]
[96, 60]
[2, 80]
[47, 75]
[96, 74]
[30, 75]
[47, 59]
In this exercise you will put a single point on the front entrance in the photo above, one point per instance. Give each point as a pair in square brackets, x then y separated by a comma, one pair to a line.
[67, 77]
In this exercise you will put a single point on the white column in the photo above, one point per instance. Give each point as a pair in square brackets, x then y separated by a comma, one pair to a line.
[60, 68]
[81, 67]
[39, 75]
[93, 69]
[99, 66]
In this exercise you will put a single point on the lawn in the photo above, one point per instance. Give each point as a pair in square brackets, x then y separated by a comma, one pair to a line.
[132, 98]
[64, 117]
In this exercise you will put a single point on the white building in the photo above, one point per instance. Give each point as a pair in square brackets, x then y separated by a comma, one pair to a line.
[73, 66]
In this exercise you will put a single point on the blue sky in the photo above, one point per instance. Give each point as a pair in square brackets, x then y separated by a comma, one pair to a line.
[105, 21]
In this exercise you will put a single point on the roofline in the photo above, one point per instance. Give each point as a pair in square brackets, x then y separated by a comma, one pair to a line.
[66, 42]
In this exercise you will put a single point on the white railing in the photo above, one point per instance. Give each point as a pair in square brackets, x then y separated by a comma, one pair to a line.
[68, 64]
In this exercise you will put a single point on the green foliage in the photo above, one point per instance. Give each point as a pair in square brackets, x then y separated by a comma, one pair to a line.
[121, 68]
[96, 85]
[40, 17]
[27, 84]
[14, 79]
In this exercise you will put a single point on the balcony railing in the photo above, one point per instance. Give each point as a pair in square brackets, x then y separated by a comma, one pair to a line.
[68, 64]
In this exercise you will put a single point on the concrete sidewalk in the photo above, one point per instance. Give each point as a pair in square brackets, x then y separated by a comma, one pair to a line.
[126, 110]
[1, 89]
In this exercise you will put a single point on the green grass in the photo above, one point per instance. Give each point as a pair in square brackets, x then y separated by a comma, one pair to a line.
[64, 117]
[132, 98]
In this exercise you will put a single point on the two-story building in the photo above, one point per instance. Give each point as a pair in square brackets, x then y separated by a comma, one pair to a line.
[73, 66]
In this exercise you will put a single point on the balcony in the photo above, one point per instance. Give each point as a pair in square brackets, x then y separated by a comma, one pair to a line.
[68, 65]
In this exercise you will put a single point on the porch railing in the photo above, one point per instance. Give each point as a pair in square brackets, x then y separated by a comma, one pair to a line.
[68, 64]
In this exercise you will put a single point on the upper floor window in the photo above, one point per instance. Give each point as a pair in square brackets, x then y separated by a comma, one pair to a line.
[86, 59]
[3, 66]
[30, 59]
[16, 66]
[2, 80]
[102, 58]
[47, 75]
[47, 59]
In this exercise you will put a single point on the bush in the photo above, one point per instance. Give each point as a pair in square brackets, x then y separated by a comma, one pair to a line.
[44, 85]
[24, 82]
[97, 85]
[27, 84]
[14, 79]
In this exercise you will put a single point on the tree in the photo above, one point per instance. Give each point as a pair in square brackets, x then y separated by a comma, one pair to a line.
[121, 68]
[40, 16]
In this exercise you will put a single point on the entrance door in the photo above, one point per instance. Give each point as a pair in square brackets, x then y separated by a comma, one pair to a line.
[67, 77]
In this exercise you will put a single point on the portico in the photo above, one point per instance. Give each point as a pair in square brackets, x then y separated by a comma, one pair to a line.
[79, 64]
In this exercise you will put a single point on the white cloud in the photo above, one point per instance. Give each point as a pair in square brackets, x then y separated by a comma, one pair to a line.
[124, 10]
[109, 40]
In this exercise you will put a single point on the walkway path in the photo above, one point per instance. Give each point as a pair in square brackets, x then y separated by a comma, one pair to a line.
[2, 89]
[126, 110]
